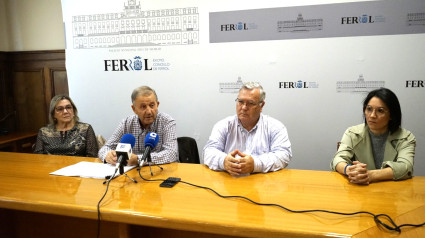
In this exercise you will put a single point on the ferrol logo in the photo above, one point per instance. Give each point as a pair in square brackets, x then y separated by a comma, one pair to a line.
[298, 84]
[135, 64]
[363, 19]
[415, 84]
[234, 27]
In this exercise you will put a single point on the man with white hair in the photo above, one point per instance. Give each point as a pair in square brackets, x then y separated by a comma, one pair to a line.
[146, 119]
[248, 142]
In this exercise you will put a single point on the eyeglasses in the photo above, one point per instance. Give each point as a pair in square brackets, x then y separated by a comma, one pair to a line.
[61, 109]
[248, 104]
[380, 111]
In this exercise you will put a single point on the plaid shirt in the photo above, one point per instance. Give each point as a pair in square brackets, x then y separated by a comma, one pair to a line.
[164, 152]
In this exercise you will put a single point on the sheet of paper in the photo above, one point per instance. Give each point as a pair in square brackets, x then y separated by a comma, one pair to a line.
[89, 170]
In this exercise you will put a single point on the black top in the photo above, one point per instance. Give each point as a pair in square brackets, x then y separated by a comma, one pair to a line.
[79, 141]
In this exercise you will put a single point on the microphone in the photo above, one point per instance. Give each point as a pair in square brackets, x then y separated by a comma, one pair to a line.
[151, 140]
[124, 150]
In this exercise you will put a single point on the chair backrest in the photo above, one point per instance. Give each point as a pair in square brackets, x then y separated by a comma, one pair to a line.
[188, 150]
[100, 141]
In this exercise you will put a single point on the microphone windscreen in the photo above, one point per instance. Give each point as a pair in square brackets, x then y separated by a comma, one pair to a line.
[151, 139]
[128, 139]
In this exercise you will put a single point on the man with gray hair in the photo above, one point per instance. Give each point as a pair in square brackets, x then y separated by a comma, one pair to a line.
[146, 119]
[248, 142]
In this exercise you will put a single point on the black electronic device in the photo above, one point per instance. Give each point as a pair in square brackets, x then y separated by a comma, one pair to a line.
[170, 182]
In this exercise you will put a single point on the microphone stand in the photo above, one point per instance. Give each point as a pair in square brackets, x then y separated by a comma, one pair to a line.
[113, 176]
[125, 174]
[121, 171]
[149, 162]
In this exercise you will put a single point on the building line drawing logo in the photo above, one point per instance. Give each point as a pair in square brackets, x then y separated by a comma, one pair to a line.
[300, 25]
[232, 87]
[358, 86]
[136, 27]
[414, 19]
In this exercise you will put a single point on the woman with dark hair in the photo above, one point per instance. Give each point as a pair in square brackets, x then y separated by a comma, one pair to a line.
[65, 135]
[379, 149]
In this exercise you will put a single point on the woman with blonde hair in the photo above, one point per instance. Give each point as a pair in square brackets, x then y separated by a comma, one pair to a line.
[65, 134]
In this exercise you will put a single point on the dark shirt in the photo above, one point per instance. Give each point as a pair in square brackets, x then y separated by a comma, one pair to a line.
[78, 141]
[378, 148]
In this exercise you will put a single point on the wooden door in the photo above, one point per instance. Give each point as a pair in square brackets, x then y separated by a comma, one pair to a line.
[34, 78]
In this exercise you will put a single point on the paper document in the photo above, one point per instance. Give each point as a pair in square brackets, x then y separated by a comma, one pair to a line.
[90, 170]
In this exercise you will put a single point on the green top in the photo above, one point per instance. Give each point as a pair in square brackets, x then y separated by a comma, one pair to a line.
[399, 150]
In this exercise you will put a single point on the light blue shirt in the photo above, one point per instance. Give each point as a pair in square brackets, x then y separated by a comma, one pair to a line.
[268, 143]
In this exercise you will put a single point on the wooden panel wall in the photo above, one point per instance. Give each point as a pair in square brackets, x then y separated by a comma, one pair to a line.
[29, 80]
[6, 96]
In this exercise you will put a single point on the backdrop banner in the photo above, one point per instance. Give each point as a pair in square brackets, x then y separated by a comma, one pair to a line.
[390, 17]
[316, 60]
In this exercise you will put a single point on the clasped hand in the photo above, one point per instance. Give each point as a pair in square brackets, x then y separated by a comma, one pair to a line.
[237, 166]
[358, 173]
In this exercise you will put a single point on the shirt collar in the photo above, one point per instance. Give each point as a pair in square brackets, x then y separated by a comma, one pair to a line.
[254, 128]
[151, 127]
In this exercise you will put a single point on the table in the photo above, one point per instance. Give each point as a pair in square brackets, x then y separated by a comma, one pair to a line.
[36, 204]
[18, 141]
